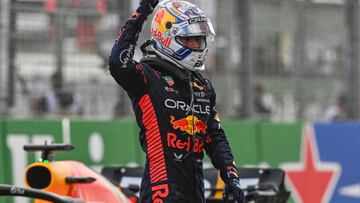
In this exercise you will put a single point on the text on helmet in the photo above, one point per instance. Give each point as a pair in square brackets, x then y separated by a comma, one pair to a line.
[159, 36]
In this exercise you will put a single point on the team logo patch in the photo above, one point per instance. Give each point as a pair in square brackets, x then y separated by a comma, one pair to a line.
[169, 80]
[217, 117]
[170, 89]
[200, 87]
[126, 55]
[190, 124]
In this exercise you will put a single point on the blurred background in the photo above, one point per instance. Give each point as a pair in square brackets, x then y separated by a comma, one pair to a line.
[276, 60]
[281, 68]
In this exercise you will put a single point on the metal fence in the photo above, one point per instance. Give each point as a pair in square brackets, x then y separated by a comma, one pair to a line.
[299, 56]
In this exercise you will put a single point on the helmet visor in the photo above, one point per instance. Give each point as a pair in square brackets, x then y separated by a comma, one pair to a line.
[199, 26]
[196, 43]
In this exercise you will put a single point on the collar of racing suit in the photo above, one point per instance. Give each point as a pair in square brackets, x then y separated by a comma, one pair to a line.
[184, 75]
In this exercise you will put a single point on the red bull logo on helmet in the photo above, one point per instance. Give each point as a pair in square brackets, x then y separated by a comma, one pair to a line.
[161, 18]
[159, 29]
[160, 37]
[190, 125]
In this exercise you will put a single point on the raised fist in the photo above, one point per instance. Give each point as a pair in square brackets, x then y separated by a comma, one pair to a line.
[151, 3]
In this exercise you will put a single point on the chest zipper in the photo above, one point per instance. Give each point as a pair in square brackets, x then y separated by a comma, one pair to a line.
[193, 136]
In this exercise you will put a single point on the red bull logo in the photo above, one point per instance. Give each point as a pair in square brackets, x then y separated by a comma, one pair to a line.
[159, 36]
[159, 28]
[176, 143]
[190, 124]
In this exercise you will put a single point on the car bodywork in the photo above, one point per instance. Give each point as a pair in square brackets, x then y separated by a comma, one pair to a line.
[69, 181]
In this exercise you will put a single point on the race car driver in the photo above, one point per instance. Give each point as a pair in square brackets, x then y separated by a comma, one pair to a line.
[173, 104]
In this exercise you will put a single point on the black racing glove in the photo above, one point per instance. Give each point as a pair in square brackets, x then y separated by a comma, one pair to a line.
[151, 3]
[147, 6]
[145, 9]
[234, 192]
[232, 187]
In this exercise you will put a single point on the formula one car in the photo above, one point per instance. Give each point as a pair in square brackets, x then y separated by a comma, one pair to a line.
[73, 182]
[63, 181]
[10, 190]
[260, 185]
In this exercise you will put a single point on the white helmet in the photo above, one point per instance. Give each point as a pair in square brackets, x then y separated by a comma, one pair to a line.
[175, 19]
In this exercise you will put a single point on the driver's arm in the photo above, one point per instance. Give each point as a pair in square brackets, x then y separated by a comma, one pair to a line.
[128, 73]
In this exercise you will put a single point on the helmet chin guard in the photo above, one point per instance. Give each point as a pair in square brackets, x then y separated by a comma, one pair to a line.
[176, 18]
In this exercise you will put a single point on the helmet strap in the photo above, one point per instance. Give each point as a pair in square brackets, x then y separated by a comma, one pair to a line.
[145, 51]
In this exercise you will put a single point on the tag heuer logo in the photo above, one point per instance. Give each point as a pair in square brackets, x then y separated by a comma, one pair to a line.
[169, 80]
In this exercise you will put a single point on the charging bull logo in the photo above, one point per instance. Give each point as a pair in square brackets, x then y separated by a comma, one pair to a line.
[159, 16]
[162, 18]
[190, 124]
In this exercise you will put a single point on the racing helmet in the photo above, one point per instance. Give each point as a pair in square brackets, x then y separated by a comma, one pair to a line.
[176, 19]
